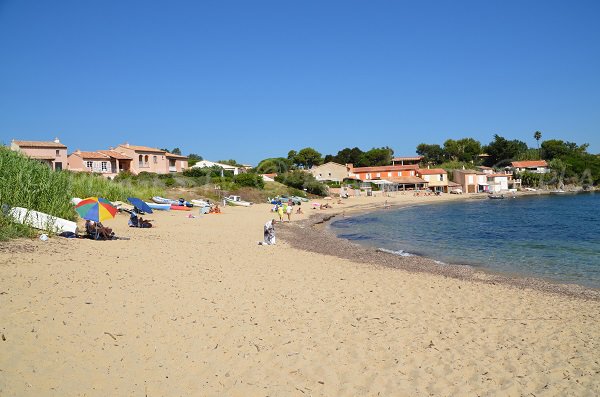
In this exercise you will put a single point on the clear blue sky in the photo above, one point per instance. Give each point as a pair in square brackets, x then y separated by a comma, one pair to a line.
[252, 79]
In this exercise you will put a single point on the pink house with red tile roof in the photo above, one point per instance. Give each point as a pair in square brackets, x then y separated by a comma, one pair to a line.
[106, 162]
[52, 153]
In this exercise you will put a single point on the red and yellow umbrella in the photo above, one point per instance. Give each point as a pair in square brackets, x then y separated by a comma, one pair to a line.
[96, 209]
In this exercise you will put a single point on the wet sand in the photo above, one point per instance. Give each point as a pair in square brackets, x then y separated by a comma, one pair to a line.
[197, 307]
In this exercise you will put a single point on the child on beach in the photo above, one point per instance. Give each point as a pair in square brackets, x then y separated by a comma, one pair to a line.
[289, 213]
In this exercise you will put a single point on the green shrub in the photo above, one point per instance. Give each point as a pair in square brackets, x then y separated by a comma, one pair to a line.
[249, 180]
[302, 180]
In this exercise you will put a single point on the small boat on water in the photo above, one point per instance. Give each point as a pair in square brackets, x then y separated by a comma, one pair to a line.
[161, 207]
[496, 196]
[162, 200]
[559, 191]
[237, 200]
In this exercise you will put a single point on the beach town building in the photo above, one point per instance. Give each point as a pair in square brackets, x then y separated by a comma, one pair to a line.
[52, 153]
[408, 160]
[497, 182]
[177, 163]
[108, 163]
[471, 181]
[330, 171]
[535, 166]
[437, 178]
[149, 159]
[226, 167]
[401, 177]
[144, 158]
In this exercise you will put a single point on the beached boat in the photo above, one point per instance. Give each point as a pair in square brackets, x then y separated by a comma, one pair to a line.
[559, 191]
[41, 221]
[180, 207]
[496, 196]
[237, 200]
[199, 203]
[161, 207]
[162, 200]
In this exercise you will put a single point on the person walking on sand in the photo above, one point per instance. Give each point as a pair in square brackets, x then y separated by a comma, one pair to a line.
[280, 213]
[289, 213]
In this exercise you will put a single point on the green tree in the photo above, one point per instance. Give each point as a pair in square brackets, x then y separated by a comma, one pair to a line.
[249, 180]
[193, 159]
[176, 151]
[538, 135]
[274, 165]
[557, 148]
[465, 149]
[501, 151]
[308, 157]
[348, 156]
[432, 154]
[376, 157]
[302, 180]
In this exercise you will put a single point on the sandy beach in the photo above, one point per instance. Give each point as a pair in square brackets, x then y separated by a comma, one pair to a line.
[195, 307]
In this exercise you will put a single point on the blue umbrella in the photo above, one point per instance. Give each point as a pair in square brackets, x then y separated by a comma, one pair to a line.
[140, 204]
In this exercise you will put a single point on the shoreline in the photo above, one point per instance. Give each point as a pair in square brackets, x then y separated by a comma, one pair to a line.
[194, 306]
[314, 235]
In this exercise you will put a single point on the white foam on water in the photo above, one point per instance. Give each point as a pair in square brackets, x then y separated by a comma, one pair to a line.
[399, 252]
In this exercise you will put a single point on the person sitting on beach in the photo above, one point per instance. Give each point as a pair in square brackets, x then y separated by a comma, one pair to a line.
[97, 231]
[299, 211]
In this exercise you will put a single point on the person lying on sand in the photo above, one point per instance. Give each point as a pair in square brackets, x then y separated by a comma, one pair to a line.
[135, 221]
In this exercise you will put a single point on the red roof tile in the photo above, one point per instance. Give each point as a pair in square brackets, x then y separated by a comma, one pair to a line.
[115, 154]
[433, 171]
[142, 148]
[44, 144]
[90, 155]
[530, 163]
[385, 168]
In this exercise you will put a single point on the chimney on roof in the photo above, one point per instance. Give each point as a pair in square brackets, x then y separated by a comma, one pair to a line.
[56, 140]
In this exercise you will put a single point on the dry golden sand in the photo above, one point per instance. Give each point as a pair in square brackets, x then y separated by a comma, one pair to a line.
[195, 307]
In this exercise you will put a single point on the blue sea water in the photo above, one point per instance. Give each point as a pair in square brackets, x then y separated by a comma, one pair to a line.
[555, 237]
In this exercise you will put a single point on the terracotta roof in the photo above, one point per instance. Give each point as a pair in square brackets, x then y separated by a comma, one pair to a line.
[531, 163]
[433, 171]
[142, 148]
[470, 172]
[90, 155]
[409, 180]
[385, 168]
[115, 154]
[176, 156]
[408, 158]
[39, 144]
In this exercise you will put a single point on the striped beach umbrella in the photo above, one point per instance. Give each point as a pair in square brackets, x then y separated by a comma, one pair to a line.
[96, 209]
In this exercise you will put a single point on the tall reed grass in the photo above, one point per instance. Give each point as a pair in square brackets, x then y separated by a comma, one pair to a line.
[30, 184]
